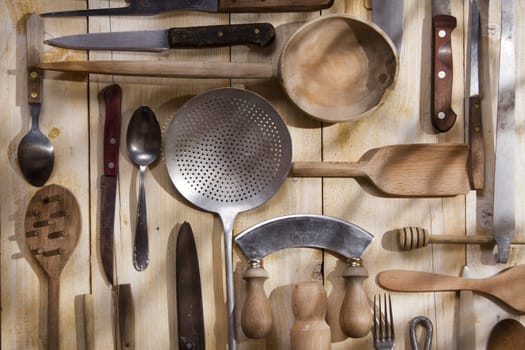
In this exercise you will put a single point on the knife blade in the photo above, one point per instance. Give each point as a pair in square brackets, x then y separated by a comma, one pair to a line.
[388, 15]
[108, 181]
[473, 108]
[442, 115]
[152, 7]
[190, 317]
[467, 320]
[261, 34]
[503, 225]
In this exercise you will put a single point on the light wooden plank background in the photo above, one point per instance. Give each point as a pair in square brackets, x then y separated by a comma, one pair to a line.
[72, 116]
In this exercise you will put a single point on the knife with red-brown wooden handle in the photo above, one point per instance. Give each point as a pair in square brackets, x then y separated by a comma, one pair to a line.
[151, 7]
[108, 181]
[441, 114]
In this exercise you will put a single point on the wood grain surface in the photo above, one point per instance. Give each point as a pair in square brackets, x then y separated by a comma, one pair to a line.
[72, 117]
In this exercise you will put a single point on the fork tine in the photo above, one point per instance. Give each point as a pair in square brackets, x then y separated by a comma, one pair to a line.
[391, 317]
[374, 329]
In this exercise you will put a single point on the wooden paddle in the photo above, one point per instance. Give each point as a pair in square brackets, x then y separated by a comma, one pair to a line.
[52, 229]
[409, 170]
[507, 286]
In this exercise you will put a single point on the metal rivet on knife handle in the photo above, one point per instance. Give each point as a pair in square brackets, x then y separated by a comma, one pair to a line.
[256, 315]
[442, 115]
[356, 317]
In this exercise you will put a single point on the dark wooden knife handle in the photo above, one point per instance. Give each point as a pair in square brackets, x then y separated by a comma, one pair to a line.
[261, 34]
[272, 5]
[34, 85]
[112, 98]
[442, 115]
[477, 146]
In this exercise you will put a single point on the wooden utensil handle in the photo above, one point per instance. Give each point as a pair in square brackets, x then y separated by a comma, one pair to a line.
[477, 146]
[310, 330]
[273, 5]
[416, 281]
[442, 115]
[260, 34]
[328, 169]
[112, 99]
[202, 70]
[356, 315]
[53, 333]
[256, 316]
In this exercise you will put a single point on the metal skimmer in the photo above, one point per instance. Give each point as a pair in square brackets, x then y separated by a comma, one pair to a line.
[228, 150]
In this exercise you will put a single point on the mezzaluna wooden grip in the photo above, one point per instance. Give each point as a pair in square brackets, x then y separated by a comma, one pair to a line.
[256, 315]
[273, 5]
[442, 115]
[261, 34]
[355, 317]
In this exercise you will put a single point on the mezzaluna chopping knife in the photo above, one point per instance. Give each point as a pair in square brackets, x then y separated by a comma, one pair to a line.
[108, 181]
[151, 7]
[441, 114]
[190, 319]
[160, 40]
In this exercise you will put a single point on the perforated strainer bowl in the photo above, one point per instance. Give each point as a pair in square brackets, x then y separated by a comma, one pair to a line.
[228, 150]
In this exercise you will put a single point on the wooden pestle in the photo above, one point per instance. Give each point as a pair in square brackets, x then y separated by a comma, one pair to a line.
[355, 318]
[256, 315]
[417, 237]
[310, 330]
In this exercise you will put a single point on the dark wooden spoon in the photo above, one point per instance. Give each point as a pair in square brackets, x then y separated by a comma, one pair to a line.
[507, 334]
[52, 229]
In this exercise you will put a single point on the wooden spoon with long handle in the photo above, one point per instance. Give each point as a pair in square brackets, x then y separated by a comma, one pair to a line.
[52, 229]
[506, 286]
[409, 170]
[507, 334]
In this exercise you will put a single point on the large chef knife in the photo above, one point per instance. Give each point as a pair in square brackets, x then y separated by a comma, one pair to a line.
[160, 40]
[475, 125]
[151, 7]
[388, 15]
[108, 181]
[441, 114]
[190, 317]
[503, 225]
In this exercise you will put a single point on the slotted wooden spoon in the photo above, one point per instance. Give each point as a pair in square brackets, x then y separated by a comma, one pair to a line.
[408, 170]
[506, 286]
[52, 229]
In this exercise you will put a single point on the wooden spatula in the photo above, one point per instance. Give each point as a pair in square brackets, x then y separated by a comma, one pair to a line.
[507, 286]
[52, 229]
[409, 170]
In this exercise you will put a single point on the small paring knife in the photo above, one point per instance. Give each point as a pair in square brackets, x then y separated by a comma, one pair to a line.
[261, 34]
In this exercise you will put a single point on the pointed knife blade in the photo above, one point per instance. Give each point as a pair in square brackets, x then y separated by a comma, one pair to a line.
[161, 40]
[190, 317]
[503, 225]
[108, 181]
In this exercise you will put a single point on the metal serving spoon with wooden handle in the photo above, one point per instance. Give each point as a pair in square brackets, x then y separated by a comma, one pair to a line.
[506, 286]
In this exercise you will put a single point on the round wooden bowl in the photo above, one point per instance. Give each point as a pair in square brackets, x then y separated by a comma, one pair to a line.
[338, 68]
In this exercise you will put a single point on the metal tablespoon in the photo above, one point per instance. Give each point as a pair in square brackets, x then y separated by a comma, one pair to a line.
[143, 143]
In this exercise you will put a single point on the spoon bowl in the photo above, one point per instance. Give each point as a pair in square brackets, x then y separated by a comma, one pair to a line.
[143, 144]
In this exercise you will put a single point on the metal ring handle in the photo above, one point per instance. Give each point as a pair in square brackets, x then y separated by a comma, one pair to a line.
[427, 324]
